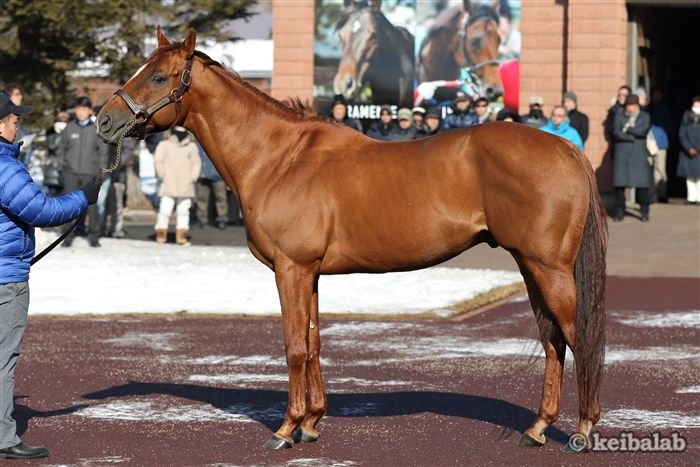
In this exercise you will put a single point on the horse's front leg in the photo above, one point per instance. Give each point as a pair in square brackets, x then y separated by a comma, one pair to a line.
[316, 403]
[295, 284]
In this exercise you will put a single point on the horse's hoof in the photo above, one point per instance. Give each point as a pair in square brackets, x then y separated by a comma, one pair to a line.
[530, 442]
[308, 437]
[577, 444]
[277, 442]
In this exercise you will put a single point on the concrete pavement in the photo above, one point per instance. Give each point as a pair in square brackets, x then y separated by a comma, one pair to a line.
[667, 246]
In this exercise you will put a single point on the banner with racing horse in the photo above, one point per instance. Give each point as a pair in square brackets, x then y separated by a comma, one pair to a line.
[408, 52]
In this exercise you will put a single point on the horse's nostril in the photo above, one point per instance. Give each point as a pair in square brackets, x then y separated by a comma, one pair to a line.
[350, 84]
[106, 123]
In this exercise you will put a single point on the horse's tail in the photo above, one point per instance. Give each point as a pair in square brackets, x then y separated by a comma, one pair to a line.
[589, 274]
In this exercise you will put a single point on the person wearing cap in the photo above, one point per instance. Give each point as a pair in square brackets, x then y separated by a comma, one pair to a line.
[384, 126]
[419, 121]
[81, 154]
[461, 117]
[630, 166]
[178, 166]
[535, 117]
[339, 113]
[433, 120]
[23, 206]
[405, 130]
[577, 119]
[559, 125]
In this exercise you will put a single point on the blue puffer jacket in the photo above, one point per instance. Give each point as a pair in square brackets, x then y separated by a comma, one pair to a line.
[22, 207]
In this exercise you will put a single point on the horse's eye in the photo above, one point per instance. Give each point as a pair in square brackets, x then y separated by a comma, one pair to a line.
[159, 79]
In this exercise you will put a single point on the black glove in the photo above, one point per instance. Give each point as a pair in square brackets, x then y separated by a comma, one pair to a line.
[92, 189]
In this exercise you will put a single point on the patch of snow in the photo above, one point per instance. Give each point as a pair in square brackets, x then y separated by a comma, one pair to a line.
[685, 319]
[689, 390]
[155, 341]
[648, 420]
[144, 411]
[139, 276]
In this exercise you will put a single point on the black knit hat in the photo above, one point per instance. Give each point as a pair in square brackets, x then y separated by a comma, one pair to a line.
[632, 99]
[339, 99]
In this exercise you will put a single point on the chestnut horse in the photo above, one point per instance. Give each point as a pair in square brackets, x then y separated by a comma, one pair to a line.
[374, 53]
[320, 198]
[463, 38]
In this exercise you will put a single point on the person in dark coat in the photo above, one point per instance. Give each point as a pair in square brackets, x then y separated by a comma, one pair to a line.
[461, 117]
[405, 130]
[631, 167]
[339, 113]
[616, 109]
[433, 120]
[384, 126]
[577, 119]
[82, 154]
[689, 161]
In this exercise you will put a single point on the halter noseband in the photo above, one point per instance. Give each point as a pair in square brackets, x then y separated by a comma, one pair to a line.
[142, 112]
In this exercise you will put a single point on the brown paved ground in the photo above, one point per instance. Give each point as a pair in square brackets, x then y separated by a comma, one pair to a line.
[186, 391]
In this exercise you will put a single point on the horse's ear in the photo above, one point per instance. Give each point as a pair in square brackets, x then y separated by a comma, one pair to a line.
[348, 3]
[466, 6]
[190, 41]
[375, 5]
[162, 39]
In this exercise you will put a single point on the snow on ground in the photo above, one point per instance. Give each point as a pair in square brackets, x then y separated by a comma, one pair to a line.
[129, 276]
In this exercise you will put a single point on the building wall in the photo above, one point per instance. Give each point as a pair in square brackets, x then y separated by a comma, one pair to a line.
[577, 45]
[587, 55]
[293, 35]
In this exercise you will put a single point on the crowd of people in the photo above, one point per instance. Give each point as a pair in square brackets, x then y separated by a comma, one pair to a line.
[74, 154]
[637, 131]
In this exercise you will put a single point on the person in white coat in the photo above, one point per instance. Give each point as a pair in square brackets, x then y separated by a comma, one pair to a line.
[177, 165]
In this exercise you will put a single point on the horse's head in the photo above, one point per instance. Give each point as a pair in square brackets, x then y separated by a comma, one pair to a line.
[477, 49]
[358, 29]
[154, 99]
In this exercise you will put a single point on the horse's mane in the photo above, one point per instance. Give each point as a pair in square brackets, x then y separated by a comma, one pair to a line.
[298, 108]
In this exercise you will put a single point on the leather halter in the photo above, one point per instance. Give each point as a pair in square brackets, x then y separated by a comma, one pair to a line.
[142, 112]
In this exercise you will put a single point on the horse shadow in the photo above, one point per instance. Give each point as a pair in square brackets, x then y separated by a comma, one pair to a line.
[23, 413]
[268, 406]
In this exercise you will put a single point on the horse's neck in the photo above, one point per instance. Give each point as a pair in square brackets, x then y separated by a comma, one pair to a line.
[232, 124]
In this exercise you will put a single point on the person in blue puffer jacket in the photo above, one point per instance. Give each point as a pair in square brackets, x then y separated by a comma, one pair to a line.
[559, 125]
[23, 206]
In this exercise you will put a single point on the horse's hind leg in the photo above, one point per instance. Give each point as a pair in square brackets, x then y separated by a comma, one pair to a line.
[554, 346]
[316, 403]
[553, 297]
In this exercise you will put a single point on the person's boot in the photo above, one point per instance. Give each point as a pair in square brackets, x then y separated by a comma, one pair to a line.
[181, 237]
[161, 236]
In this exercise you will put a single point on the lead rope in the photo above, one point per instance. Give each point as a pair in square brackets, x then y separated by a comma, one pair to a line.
[130, 124]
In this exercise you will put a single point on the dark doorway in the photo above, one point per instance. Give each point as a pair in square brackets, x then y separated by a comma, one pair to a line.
[668, 58]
